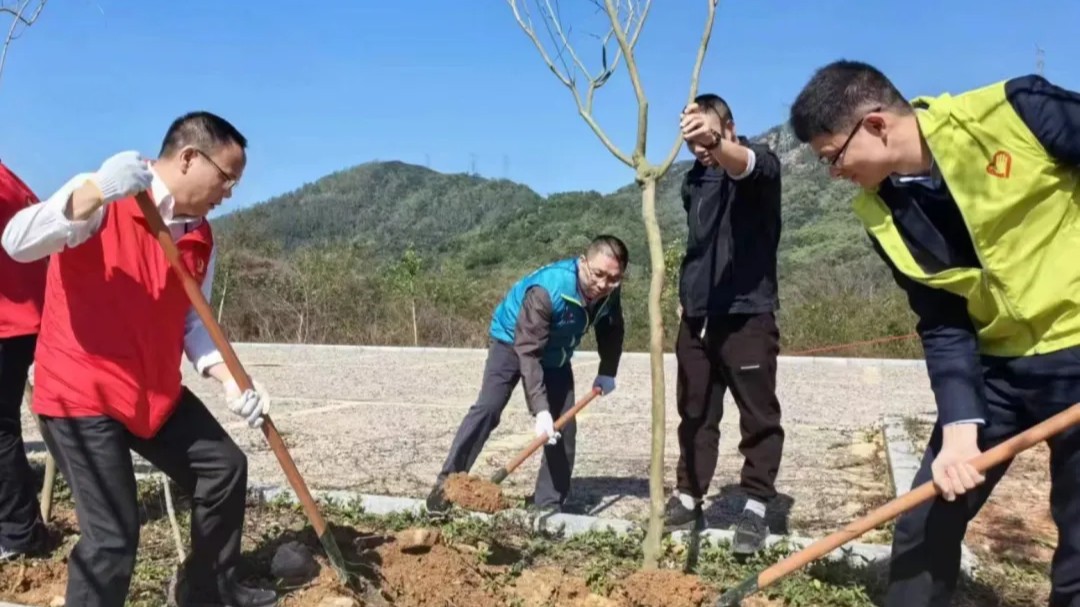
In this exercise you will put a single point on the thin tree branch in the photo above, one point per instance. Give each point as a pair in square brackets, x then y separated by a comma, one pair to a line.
[548, 20]
[694, 76]
[18, 16]
[555, 21]
[528, 29]
[635, 78]
[585, 111]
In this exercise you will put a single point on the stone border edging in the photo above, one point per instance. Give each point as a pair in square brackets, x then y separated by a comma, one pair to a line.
[856, 554]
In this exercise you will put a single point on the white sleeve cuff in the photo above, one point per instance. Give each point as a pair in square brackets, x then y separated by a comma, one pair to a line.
[967, 421]
[751, 160]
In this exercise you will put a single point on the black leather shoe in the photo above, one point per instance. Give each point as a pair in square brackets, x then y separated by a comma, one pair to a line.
[225, 593]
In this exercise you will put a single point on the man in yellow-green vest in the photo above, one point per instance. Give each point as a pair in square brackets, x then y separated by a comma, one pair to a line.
[973, 200]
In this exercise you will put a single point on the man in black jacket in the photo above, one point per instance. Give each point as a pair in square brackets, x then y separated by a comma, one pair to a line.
[728, 338]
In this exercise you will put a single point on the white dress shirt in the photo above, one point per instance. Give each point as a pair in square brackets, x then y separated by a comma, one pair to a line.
[42, 229]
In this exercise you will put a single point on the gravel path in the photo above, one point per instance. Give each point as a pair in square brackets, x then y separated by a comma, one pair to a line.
[380, 420]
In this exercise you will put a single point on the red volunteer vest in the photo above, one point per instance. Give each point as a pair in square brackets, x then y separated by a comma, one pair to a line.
[112, 332]
[22, 285]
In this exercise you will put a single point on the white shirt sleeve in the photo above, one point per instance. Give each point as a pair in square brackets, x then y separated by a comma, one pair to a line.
[41, 229]
[198, 346]
[751, 160]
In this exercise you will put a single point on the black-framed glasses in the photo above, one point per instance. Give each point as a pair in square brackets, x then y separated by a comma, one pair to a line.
[831, 162]
[229, 180]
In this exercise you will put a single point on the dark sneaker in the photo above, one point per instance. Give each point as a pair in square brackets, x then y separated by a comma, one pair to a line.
[750, 533]
[436, 500]
[677, 516]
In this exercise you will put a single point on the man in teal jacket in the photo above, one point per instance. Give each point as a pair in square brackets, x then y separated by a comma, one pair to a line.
[534, 332]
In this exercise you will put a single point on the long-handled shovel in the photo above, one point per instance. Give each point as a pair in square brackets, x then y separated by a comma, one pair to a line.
[501, 474]
[986, 460]
[202, 307]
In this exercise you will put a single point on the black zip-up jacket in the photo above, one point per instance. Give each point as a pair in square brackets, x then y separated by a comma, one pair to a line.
[734, 232]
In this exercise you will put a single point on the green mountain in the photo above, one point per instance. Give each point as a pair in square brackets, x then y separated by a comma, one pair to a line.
[487, 223]
[341, 259]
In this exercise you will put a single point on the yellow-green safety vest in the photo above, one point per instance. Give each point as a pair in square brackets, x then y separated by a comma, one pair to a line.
[1022, 210]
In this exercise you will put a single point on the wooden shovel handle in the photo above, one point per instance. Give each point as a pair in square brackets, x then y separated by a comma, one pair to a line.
[540, 441]
[892, 509]
[202, 307]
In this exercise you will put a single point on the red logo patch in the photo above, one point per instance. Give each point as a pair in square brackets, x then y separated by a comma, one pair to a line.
[1000, 165]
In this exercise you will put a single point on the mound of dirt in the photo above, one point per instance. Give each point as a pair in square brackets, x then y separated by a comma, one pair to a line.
[661, 588]
[546, 586]
[33, 582]
[439, 577]
[474, 493]
[323, 588]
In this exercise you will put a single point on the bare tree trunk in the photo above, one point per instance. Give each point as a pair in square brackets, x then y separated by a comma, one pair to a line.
[415, 331]
[656, 360]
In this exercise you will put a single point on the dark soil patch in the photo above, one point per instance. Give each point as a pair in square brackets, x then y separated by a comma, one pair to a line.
[474, 493]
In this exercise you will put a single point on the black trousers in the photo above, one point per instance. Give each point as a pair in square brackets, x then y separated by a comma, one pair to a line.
[192, 449]
[925, 564]
[737, 352]
[20, 514]
[501, 376]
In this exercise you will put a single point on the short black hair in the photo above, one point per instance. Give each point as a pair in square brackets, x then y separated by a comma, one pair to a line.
[609, 245]
[715, 103]
[829, 102]
[202, 130]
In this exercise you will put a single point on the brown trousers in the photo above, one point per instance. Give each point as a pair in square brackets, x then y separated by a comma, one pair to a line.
[736, 352]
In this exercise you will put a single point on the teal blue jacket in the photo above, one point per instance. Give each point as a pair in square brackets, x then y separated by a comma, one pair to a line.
[570, 318]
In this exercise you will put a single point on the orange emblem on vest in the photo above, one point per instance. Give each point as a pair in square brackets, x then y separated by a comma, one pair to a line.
[1000, 165]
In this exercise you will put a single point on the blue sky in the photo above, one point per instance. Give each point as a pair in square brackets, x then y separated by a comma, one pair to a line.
[453, 83]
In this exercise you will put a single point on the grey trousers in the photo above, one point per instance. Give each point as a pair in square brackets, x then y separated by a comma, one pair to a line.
[501, 376]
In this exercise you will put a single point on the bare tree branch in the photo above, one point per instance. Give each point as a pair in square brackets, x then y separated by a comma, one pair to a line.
[584, 107]
[694, 76]
[18, 17]
[635, 78]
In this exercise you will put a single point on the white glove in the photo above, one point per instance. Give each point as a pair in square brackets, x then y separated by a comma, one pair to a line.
[606, 383]
[545, 426]
[30, 375]
[122, 175]
[252, 405]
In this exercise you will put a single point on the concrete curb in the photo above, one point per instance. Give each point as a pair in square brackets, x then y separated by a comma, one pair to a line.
[904, 462]
[568, 525]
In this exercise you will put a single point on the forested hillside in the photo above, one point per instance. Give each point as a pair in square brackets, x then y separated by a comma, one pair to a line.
[351, 257]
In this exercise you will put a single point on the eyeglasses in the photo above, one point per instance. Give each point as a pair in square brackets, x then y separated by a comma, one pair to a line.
[612, 279]
[229, 180]
[831, 162]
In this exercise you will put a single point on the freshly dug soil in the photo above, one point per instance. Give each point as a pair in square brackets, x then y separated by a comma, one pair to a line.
[661, 588]
[440, 577]
[33, 582]
[474, 494]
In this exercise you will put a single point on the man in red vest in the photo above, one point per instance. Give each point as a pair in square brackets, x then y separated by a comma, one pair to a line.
[107, 371]
[22, 292]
